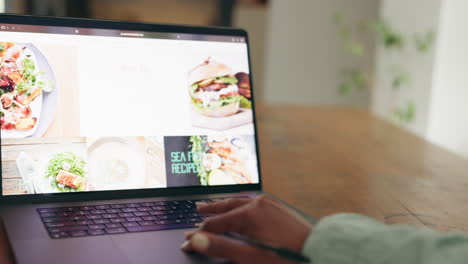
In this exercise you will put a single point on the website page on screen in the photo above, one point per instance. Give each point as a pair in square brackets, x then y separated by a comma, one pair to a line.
[93, 112]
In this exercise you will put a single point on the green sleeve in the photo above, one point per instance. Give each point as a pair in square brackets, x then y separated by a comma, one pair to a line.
[349, 238]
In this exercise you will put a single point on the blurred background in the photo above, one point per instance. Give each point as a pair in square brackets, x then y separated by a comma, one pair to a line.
[402, 60]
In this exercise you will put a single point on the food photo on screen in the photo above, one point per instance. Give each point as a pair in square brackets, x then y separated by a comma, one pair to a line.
[81, 164]
[117, 163]
[210, 160]
[39, 165]
[66, 172]
[220, 97]
[26, 85]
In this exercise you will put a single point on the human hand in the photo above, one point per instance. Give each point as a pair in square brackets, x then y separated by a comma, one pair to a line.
[262, 218]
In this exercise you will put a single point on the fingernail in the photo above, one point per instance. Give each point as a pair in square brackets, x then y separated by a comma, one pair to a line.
[200, 241]
[200, 204]
[184, 245]
[200, 225]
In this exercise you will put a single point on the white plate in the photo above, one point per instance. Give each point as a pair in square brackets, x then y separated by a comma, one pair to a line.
[115, 163]
[45, 104]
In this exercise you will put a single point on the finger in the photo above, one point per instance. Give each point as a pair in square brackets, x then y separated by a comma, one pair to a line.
[222, 206]
[189, 234]
[235, 220]
[222, 247]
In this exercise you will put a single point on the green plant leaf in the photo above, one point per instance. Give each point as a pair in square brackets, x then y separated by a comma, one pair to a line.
[387, 35]
[356, 48]
[344, 88]
[352, 80]
[424, 42]
[400, 79]
[406, 114]
[338, 17]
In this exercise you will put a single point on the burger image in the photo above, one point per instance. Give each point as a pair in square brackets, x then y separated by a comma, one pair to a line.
[214, 90]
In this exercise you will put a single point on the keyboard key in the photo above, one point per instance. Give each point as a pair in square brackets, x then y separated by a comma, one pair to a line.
[116, 230]
[72, 228]
[59, 234]
[140, 213]
[146, 223]
[109, 216]
[163, 203]
[118, 206]
[144, 209]
[47, 210]
[54, 230]
[156, 212]
[86, 208]
[117, 220]
[113, 225]
[78, 233]
[129, 210]
[113, 211]
[101, 221]
[130, 224]
[96, 232]
[63, 213]
[147, 204]
[102, 207]
[133, 205]
[48, 215]
[58, 224]
[96, 226]
[82, 213]
[93, 217]
[97, 212]
[194, 214]
[125, 214]
[76, 218]
[133, 219]
[84, 222]
[67, 209]
[176, 221]
[56, 219]
[150, 218]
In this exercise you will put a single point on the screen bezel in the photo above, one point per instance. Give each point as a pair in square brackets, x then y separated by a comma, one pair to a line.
[136, 193]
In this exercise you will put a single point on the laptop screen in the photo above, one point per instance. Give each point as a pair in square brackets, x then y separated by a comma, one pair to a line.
[97, 110]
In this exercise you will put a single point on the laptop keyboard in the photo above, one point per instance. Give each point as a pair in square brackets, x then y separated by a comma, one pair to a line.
[108, 219]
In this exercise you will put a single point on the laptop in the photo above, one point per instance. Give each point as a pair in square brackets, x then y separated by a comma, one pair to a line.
[111, 131]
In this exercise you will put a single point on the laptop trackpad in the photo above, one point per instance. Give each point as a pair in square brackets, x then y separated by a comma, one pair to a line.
[99, 249]
[157, 247]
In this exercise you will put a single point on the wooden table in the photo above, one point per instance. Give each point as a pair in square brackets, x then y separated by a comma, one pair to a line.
[326, 160]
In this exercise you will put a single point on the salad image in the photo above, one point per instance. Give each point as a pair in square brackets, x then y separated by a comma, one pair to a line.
[220, 160]
[216, 91]
[20, 86]
[66, 173]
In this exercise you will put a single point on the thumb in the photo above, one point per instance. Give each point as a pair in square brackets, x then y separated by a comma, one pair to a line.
[213, 245]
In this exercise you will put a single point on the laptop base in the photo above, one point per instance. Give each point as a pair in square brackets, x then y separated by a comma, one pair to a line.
[31, 242]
